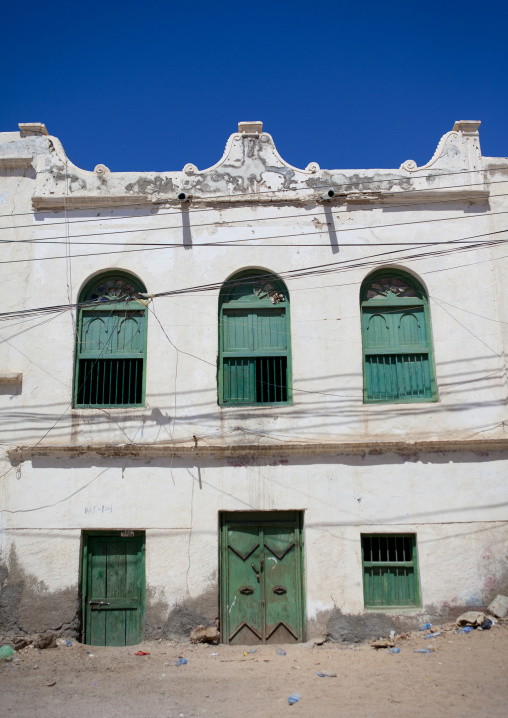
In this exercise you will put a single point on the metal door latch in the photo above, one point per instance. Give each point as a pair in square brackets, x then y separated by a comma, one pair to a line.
[99, 603]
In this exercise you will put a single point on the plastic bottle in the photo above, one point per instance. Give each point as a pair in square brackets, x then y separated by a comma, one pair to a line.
[294, 698]
[181, 661]
[280, 652]
[393, 650]
[431, 635]
[6, 652]
[68, 642]
[422, 650]
[466, 629]
[425, 626]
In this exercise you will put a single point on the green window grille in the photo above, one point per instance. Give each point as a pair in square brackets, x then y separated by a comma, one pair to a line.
[398, 361]
[111, 343]
[254, 340]
[390, 573]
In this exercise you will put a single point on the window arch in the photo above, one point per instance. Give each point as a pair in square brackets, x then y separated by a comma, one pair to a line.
[111, 343]
[254, 340]
[398, 363]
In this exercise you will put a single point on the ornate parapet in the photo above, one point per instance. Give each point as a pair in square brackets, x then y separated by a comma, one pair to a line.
[250, 171]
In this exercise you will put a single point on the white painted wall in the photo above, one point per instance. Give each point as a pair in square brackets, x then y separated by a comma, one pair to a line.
[455, 502]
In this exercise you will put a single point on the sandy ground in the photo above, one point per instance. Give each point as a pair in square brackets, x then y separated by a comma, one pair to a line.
[466, 675]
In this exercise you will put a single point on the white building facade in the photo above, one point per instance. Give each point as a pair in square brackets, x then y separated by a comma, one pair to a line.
[269, 397]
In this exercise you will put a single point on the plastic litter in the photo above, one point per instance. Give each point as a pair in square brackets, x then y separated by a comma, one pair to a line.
[326, 674]
[393, 650]
[294, 698]
[68, 642]
[432, 635]
[280, 652]
[392, 635]
[181, 661]
[487, 624]
[425, 626]
[6, 652]
[142, 653]
[466, 629]
[422, 650]
[252, 650]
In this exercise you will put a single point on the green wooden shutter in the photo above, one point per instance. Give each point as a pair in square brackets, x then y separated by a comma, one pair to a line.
[254, 350]
[390, 575]
[397, 356]
[111, 358]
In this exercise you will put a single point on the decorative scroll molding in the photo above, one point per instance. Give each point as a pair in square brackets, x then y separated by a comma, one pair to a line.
[369, 447]
[101, 170]
[312, 167]
[411, 166]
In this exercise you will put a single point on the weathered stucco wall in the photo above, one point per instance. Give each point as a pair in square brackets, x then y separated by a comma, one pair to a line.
[461, 530]
[455, 501]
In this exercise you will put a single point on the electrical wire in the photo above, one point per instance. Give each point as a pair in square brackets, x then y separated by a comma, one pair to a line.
[178, 213]
[345, 265]
[166, 246]
[303, 189]
[231, 242]
[467, 329]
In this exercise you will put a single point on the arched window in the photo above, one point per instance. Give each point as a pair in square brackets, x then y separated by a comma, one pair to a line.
[111, 343]
[254, 340]
[397, 347]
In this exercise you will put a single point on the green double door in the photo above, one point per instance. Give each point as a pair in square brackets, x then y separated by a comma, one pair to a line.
[262, 597]
[113, 589]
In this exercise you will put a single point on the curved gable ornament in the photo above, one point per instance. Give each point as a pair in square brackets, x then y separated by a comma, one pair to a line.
[449, 145]
[457, 149]
[250, 164]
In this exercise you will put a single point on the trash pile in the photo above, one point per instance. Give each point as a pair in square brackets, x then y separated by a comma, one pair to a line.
[467, 622]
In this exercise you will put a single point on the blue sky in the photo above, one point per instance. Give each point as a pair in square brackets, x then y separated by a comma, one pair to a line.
[349, 85]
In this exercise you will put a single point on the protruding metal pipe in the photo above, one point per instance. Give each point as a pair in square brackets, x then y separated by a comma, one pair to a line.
[328, 194]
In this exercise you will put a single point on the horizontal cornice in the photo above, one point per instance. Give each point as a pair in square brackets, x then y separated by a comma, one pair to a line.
[303, 196]
[160, 450]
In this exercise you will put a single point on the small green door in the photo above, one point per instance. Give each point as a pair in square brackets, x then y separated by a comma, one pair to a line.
[114, 589]
[262, 597]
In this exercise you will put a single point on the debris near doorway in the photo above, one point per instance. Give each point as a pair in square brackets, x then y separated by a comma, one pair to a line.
[470, 618]
[45, 640]
[382, 643]
[21, 642]
[499, 606]
[205, 634]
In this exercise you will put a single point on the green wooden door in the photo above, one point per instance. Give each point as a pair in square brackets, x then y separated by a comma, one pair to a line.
[262, 578]
[114, 590]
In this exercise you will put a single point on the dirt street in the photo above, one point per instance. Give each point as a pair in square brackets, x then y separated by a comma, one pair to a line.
[466, 675]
